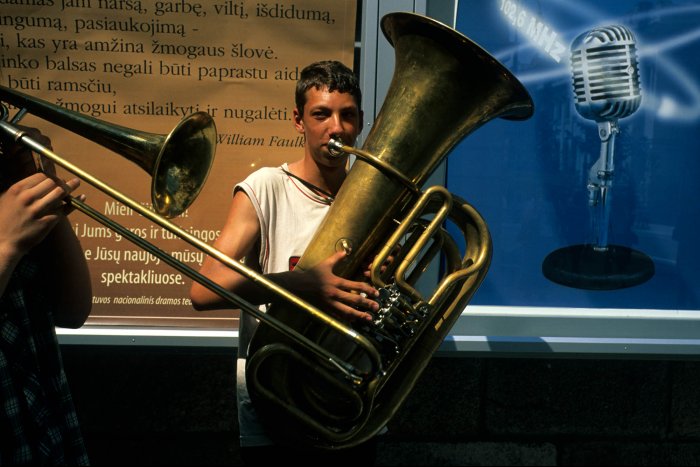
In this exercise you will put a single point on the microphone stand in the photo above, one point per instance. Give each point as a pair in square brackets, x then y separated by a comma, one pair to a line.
[600, 178]
[606, 88]
[599, 266]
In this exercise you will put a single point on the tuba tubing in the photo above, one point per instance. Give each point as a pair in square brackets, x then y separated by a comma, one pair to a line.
[444, 87]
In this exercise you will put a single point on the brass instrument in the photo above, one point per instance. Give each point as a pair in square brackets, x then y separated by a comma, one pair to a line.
[315, 379]
[444, 87]
[179, 164]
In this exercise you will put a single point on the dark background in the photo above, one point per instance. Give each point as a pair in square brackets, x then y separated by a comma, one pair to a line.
[174, 406]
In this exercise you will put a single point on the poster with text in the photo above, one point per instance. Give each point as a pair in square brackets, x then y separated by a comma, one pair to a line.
[146, 65]
[592, 202]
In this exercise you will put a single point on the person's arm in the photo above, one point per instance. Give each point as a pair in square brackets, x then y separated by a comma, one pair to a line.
[318, 285]
[33, 218]
[63, 261]
[237, 239]
[29, 209]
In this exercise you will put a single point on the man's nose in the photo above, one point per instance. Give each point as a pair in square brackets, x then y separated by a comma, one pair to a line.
[336, 124]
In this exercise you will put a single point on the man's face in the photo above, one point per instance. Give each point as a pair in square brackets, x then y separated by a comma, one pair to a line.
[328, 115]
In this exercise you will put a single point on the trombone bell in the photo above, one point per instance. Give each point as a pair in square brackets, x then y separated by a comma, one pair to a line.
[178, 162]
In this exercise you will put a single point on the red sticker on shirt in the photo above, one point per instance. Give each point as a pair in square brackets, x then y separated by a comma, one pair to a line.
[293, 260]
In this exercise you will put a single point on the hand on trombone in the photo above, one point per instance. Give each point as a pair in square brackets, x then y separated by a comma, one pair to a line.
[34, 199]
[33, 221]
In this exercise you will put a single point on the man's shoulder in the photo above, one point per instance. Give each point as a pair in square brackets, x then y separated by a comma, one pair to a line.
[264, 178]
[272, 171]
[267, 172]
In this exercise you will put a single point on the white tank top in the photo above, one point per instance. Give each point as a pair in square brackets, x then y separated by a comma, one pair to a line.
[289, 214]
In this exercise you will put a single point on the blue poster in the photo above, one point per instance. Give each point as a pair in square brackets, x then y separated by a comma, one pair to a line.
[593, 202]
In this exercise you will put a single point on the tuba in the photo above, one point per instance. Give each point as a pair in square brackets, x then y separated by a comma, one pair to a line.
[444, 87]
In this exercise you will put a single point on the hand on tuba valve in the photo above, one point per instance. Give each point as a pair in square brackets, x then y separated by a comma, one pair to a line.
[348, 300]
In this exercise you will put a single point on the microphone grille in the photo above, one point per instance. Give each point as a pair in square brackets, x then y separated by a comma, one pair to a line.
[605, 73]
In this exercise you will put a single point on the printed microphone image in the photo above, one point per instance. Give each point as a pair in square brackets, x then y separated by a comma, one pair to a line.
[605, 74]
[606, 87]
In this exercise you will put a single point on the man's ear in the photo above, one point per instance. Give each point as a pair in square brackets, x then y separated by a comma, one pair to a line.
[298, 121]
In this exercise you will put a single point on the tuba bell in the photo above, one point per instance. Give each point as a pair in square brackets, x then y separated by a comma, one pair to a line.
[444, 87]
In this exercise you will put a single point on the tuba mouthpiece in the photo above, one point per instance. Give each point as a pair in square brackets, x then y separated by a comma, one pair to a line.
[335, 147]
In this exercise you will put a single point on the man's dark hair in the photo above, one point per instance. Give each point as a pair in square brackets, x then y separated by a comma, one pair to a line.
[328, 74]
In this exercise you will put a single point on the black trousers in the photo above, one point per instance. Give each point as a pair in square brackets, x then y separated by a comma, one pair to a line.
[361, 455]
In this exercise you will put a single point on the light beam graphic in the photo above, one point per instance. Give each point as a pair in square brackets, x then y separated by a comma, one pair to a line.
[681, 104]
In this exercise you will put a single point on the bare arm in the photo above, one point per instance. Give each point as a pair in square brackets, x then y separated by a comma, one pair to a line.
[237, 239]
[31, 213]
[64, 262]
[33, 218]
[318, 285]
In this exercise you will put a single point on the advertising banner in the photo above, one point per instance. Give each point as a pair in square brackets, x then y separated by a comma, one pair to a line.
[593, 202]
[146, 65]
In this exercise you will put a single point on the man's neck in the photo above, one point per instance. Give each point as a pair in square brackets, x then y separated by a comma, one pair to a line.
[327, 178]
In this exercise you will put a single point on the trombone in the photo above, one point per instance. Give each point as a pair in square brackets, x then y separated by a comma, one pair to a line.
[179, 164]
